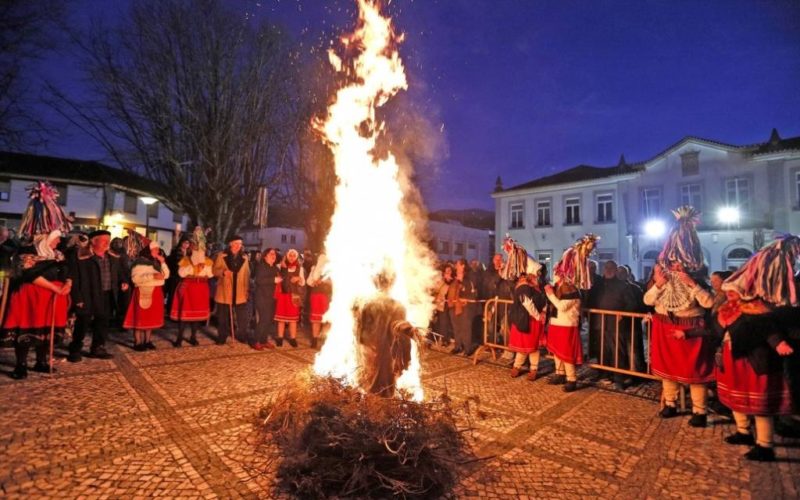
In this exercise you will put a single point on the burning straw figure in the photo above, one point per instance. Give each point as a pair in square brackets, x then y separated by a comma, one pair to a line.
[682, 351]
[39, 298]
[572, 274]
[761, 345]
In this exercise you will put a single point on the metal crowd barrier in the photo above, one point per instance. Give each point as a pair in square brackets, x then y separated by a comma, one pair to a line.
[495, 337]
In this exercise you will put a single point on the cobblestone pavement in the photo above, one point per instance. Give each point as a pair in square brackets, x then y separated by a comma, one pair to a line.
[178, 423]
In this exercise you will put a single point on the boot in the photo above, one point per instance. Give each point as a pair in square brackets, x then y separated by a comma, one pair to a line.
[760, 454]
[698, 420]
[293, 342]
[20, 372]
[279, 342]
[668, 412]
[193, 340]
[740, 438]
[558, 379]
[515, 372]
[42, 367]
[570, 386]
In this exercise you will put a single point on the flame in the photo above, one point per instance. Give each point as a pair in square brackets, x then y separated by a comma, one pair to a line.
[370, 233]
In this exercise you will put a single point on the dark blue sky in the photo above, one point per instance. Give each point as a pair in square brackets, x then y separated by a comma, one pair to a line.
[522, 89]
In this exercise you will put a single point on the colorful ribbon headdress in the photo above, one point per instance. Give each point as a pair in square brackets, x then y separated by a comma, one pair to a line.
[769, 273]
[135, 243]
[43, 214]
[574, 264]
[683, 244]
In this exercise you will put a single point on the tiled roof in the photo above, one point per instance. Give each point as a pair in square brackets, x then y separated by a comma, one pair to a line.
[88, 172]
[577, 174]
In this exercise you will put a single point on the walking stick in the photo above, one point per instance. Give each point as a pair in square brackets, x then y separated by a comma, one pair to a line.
[233, 330]
[53, 331]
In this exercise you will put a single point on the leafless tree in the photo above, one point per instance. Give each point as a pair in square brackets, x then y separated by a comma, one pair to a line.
[27, 29]
[198, 98]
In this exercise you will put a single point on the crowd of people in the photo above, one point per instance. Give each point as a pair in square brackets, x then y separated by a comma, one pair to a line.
[732, 334]
[739, 330]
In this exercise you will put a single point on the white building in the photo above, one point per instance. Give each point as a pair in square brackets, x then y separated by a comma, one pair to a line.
[746, 193]
[282, 238]
[451, 240]
[95, 195]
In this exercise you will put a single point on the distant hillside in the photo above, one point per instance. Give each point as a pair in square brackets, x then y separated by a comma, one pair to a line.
[470, 217]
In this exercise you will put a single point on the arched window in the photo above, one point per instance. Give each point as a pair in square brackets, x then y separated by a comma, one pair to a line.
[736, 257]
[651, 255]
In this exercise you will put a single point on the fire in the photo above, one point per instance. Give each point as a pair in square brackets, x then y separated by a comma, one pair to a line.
[370, 233]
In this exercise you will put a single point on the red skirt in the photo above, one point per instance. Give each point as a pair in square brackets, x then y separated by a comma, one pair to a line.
[688, 361]
[319, 306]
[741, 389]
[31, 308]
[285, 310]
[191, 300]
[526, 342]
[564, 342]
[139, 318]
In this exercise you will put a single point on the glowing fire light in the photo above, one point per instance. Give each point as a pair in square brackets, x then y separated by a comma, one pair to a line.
[370, 235]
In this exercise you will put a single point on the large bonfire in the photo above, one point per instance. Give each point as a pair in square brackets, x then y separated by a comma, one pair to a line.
[373, 248]
[359, 427]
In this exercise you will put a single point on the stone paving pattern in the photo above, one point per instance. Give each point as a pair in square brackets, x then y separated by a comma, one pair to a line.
[179, 423]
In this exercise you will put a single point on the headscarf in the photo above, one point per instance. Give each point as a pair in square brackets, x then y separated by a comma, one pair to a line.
[42, 244]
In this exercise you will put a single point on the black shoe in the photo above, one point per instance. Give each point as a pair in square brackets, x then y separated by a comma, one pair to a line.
[149, 346]
[668, 412]
[137, 348]
[279, 342]
[557, 380]
[314, 343]
[19, 373]
[178, 343]
[457, 350]
[292, 342]
[193, 341]
[570, 387]
[760, 454]
[42, 368]
[220, 341]
[74, 357]
[738, 438]
[698, 420]
[101, 353]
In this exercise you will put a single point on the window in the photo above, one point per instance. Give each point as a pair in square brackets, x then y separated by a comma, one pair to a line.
[543, 213]
[5, 190]
[573, 206]
[177, 216]
[131, 203]
[283, 238]
[62, 193]
[605, 207]
[692, 194]
[459, 249]
[796, 187]
[651, 202]
[472, 246]
[293, 239]
[444, 247]
[517, 219]
[736, 258]
[606, 255]
[737, 193]
[690, 163]
[152, 210]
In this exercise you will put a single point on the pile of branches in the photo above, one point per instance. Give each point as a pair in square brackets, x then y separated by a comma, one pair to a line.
[337, 442]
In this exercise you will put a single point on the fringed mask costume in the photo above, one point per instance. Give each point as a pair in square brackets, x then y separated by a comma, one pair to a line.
[573, 268]
[43, 214]
[683, 247]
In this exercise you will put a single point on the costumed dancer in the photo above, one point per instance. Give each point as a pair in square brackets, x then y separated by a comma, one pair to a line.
[190, 306]
[232, 270]
[146, 309]
[39, 298]
[759, 356]
[321, 290]
[682, 351]
[572, 274]
[528, 312]
[290, 298]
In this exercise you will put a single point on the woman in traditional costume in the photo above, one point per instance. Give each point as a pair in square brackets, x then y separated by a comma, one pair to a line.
[190, 307]
[757, 351]
[291, 297]
[146, 309]
[572, 274]
[39, 300]
[321, 290]
[682, 351]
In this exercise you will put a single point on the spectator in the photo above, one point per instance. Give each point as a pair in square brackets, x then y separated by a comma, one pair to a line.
[462, 295]
[232, 270]
[442, 324]
[267, 288]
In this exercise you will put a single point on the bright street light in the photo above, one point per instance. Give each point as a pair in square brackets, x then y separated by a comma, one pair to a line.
[147, 200]
[655, 228]
[728, 215]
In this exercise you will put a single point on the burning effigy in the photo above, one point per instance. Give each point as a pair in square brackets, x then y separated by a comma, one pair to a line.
[360, 426]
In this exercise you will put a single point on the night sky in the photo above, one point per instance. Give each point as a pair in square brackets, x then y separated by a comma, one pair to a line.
[523, 89]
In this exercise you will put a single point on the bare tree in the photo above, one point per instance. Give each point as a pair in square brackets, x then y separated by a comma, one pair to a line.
[26, 32]
[199, 99]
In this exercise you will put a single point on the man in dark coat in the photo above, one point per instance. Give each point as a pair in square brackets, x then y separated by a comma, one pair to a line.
[97, 277]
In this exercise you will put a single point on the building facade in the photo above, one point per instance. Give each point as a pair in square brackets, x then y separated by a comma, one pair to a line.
[746, 195]
[452, 241]
[96, 196]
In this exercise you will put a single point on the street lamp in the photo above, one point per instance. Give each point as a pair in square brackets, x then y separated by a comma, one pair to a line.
[147, 200]
[655, 228]
[728, 215]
